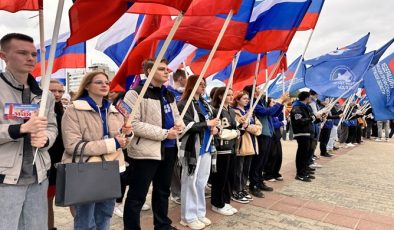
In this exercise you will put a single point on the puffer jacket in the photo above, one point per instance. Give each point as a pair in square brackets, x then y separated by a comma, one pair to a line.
[148, 123]
[302, 120]
[11, 140]
[227, 137]
[247, 146]
[82, 123]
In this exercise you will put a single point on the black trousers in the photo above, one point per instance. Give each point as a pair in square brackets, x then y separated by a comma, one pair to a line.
[143, 172]
[256, 168]
[368, 129]
[351, 138]
[221, 190]
[359, 132]
[324, 138]
[242, 167]
[302, 155]
[274, 160]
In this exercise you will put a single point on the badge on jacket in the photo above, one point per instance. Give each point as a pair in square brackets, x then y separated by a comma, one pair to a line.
[123, 108]
[13, 111]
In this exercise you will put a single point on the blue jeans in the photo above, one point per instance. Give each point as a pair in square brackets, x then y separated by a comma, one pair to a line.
[94, 216]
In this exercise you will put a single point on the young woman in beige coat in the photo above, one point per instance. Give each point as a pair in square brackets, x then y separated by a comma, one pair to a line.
[92, 119]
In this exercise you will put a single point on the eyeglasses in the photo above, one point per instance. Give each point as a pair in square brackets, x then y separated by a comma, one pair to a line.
[56, 91]
[101, 82]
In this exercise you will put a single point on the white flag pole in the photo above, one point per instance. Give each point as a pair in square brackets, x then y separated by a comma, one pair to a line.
[229, 84]
[159, 57]
[250, 112]
[47, 77]
[42, 41]
[256, 74]
[300, 62]
[206, 65]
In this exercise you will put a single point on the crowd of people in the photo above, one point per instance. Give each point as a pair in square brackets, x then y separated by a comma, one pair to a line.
[226, 156]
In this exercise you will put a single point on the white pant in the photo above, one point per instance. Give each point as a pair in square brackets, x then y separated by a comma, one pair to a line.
[383, 125]
[193, 189]
[333, 138]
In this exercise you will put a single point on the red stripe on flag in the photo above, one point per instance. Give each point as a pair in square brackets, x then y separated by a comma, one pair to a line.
[270, 40]
[65, 61]
[309, 21]
[17, 5]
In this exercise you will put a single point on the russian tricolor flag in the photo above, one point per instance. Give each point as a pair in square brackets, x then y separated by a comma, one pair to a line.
[273, 24]
[312, 15]
[65, 57]
[121, 37]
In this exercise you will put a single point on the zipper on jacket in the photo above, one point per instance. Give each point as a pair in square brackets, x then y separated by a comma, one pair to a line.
[138, 140]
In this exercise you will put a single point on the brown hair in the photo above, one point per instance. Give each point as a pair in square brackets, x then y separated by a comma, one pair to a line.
[87, 79]
[5, 40]
[148, 64]
[190, 83]
[218, 97]
[238, 96]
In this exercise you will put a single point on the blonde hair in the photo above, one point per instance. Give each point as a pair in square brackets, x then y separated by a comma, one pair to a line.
[87, 79]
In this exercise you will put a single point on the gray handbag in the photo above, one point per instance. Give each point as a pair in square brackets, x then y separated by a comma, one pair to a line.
[86, 182]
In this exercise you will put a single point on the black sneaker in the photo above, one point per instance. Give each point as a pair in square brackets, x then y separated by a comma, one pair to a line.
[266, 188]
[239, 197]
[256, 192]
[311, 169]
[172, 228]
[247, 195]
[326, 155]
[311, 177]
[311, 172]
[303, 178]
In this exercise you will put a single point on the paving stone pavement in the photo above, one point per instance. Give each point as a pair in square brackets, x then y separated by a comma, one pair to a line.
[353, 190]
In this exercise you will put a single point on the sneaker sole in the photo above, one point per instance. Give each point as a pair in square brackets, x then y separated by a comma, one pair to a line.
[240, 201]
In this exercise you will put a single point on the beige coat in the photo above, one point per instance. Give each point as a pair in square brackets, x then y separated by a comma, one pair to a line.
[246, 145]
[81, 123]
[147, 124]
[11, 141]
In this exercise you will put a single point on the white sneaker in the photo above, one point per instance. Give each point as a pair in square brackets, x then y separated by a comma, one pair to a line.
[118, 210]
[231, 208]
[205, 221]
[378, 139]
[314, 166]
[193, 225]
[223, 211]
[350, 145]
[145, 207]
[175, 199]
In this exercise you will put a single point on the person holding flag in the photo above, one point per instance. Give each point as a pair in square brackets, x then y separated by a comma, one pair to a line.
[23, 185]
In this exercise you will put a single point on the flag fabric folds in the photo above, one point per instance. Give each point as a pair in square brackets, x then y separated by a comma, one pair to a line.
[312, 15]
[380, 52]
[275, 90]
[273, 24]
[379, 86]
[18, 5]
[65, 57]
[116, 41]
[85, 14]
[332, 78]
[354, 49]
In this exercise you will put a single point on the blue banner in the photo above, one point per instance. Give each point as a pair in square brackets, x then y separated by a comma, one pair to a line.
[332, 78]
[379, 85]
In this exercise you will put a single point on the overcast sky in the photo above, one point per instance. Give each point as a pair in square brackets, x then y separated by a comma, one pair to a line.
[341, 23]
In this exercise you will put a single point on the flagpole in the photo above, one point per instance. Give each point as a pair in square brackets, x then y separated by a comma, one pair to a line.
[42, 41]
[266, 82]
[230, 82]
[184, 69]
[347, 106]
[300, 62]
[250, 112]
[159, 57]
[206, 65]
[47, 77]
[256, 74]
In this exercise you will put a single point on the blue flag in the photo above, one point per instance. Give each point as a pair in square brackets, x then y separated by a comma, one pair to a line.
[355, 49]
[380, 52]
[275, 90]
[332, 78]
[379, 85]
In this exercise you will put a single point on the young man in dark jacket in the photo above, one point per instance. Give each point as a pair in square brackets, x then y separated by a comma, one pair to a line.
[302, 119]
